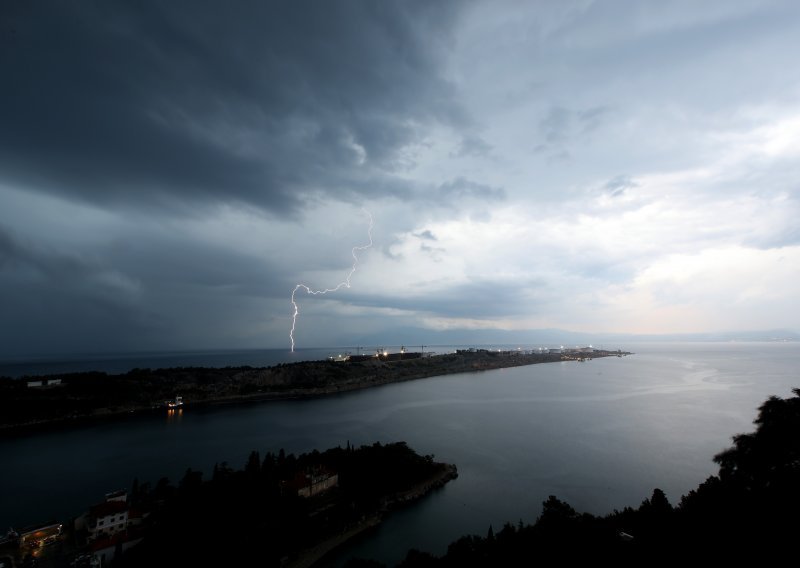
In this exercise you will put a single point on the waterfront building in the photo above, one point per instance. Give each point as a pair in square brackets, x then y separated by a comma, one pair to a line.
[109, 517]
[35, 537]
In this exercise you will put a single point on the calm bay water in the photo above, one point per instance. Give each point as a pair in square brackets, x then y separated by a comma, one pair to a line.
[600, 435]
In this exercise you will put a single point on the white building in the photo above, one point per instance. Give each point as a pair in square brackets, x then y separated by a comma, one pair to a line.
[108, 518]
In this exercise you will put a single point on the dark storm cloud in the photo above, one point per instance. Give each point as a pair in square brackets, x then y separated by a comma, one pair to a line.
[58, 302]
[28, 261]
[9, 249]
[163, 103]
[185, 264]
[42, 320]
[475, 299]
[129, 294]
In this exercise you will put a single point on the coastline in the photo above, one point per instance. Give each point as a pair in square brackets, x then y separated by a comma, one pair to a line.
[311, 556]
[205, 386]
[379, 479]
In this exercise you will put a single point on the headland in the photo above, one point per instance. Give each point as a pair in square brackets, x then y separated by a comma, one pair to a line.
[70, 399]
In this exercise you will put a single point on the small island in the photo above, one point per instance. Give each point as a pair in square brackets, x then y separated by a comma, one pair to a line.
[61, 400]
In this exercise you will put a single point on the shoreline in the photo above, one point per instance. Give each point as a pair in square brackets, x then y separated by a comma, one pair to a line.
[311, 556]
[157, 516]
[201, 386]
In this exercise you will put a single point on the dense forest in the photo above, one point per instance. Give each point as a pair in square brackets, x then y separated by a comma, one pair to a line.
[749, 510]
[257, 516]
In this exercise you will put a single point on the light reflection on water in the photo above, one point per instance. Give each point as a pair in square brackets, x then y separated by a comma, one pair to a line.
[174, 415]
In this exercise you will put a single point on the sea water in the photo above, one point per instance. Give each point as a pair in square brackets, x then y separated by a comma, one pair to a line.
[600, 434]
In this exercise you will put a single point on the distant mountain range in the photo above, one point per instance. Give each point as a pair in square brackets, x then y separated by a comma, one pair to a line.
[412, 337]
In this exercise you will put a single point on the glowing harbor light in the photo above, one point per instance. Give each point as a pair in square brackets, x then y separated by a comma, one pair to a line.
[344, 283]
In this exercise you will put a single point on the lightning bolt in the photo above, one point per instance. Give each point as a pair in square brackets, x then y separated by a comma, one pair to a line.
[344, 283]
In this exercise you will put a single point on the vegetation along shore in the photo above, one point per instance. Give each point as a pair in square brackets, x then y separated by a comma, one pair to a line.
[279, 510]
[290, 511]
[41, 402]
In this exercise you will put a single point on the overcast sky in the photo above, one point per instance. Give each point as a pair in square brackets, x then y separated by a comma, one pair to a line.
[169, 171]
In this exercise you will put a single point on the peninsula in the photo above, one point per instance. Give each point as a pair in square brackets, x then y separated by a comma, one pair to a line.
[282, 510]
[65, 399]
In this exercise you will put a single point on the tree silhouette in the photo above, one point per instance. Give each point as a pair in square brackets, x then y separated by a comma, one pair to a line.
[748, 511]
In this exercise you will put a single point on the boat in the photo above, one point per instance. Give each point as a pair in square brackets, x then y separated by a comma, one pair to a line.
[176, 403]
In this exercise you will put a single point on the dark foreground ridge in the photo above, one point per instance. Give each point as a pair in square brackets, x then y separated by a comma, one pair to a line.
[66, 399]
[282, 510]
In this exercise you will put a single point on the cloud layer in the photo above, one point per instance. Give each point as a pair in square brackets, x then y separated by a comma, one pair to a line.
[169, 172]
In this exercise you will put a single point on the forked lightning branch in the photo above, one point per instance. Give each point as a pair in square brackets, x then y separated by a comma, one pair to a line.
[344, 284]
